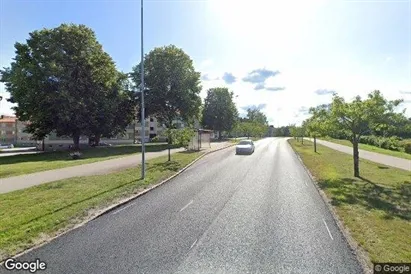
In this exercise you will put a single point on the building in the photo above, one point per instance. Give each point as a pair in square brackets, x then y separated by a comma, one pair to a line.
[12, 132]
[7, 129]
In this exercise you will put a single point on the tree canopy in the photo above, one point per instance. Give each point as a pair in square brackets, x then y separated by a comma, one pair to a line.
[257, 116]
[172, 86]
[355, 119]
[60, 79]
[219, 112]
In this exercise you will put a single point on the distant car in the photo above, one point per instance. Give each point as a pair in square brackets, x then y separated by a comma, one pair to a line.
[245, 147]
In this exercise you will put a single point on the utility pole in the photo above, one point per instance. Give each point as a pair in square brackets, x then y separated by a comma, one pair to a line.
[143, 118]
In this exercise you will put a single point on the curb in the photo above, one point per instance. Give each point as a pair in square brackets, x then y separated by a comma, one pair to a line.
[129, 199]
[117, 205]
[360, 254]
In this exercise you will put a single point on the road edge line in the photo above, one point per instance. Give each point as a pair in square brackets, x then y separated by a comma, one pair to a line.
[359, 252]
[117, 205]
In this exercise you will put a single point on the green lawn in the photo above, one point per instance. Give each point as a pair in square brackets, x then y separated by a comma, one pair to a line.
[376, 209]
[400, 154]
[29, 216]
[25, 164]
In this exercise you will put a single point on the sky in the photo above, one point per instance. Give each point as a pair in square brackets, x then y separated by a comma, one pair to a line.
[281, 56]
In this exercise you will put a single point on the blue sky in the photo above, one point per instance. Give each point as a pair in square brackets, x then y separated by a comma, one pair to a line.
[282, 56]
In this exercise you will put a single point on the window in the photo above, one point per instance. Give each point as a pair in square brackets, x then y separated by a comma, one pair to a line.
[151, 128]
[151, 119]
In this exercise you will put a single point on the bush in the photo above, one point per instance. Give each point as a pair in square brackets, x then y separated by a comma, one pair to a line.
[75, 155]
[407, 148]
[391, 143]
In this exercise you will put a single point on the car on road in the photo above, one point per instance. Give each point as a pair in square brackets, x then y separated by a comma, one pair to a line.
[245, 147]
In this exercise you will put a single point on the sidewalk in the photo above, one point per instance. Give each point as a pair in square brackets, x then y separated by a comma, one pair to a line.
[98, 168]
[368, 155]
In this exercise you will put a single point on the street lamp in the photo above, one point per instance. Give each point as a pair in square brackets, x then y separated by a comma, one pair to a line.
[143, 118]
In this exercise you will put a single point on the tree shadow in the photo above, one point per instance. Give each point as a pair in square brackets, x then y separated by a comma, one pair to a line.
[165, 166]
[394, 202]
[383, 167]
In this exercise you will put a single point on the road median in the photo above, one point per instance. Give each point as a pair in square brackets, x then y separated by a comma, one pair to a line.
[374, 209]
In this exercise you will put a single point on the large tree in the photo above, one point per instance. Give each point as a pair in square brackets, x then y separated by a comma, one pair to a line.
[57, 79]
[257, 116]
[357, 118]
[219, 112]
[172, 86]
[115, 111]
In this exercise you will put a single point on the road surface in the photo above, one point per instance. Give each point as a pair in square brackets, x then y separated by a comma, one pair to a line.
[368, 155]
[225, 214]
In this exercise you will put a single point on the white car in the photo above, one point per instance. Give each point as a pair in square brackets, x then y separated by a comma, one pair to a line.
[245, 147]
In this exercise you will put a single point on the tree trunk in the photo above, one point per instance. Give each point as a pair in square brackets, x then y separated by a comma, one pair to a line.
[356, 158]
[315, 144]
[97, 139]
[219, 135]
[169, 148]
[43, 146]
[76, 141]
[302, 140]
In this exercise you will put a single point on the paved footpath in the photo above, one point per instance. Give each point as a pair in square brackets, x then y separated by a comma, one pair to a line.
[98, 168]
[371, 156]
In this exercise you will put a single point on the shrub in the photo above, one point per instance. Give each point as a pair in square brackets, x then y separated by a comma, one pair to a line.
[75, 155]
[407, 148]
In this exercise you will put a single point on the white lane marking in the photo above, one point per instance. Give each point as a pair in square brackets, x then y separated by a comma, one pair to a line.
[193, 244]
[121, 209]
[329, 232]
[186, 205]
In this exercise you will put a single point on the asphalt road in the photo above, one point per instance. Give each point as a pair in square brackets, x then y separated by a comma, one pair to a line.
[225, 214]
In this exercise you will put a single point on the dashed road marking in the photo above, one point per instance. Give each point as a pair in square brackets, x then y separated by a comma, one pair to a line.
[329, 232]
[186, 205]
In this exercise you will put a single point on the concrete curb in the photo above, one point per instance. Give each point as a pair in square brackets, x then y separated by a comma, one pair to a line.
[360, 254]
[117, 205]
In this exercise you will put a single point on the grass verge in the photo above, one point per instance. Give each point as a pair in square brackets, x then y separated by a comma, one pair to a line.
[400, 154]
[375, 208]
[30, 163]
[29, 216]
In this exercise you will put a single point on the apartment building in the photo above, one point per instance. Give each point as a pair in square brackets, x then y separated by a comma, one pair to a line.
[12, 132]
[7, 129]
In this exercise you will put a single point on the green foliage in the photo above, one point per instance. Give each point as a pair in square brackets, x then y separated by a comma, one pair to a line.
[391, 143]
[107, 121]
[407, 148]
[355, 119]
[284, 131]
[257, 116]
[59, 79]
[180, 137]
[219, 112]
[172, 86]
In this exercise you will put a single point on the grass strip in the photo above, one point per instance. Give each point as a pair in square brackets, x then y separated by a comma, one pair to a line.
[30, 163]
[375, 208]
[399, 154]
[31, 215]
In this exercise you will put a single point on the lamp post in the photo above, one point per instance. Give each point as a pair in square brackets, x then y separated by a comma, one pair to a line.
[143, 118]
